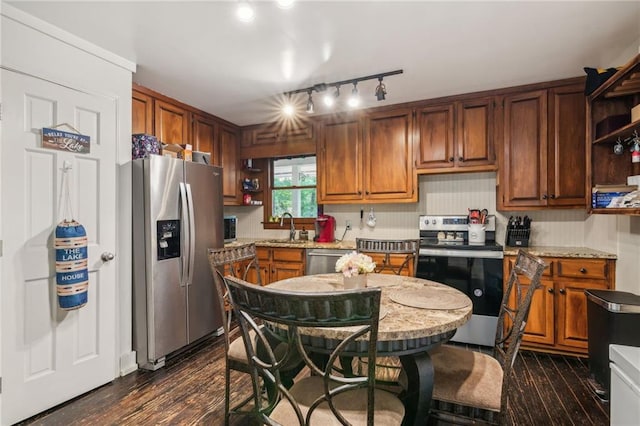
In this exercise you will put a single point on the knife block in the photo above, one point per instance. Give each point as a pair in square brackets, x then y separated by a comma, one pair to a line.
[518, 237]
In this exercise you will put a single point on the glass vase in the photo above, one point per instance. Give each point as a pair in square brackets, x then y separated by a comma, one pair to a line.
[356, 281]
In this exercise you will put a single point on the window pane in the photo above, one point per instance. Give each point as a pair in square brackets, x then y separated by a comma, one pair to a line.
[294, 172]
[294, 187]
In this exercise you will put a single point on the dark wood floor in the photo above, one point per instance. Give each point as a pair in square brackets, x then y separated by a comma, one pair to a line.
[189, 390]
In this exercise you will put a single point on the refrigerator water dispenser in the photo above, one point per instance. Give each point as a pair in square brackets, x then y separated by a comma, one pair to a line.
[168, 239]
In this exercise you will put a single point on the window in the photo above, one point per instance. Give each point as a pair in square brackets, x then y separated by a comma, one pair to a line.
[293, 188]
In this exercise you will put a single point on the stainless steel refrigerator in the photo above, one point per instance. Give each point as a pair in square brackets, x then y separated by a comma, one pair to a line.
[177, 216]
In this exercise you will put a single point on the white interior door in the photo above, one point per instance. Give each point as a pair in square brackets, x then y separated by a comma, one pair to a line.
[48, 355]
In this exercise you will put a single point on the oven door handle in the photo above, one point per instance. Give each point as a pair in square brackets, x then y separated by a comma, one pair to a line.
[476, 254]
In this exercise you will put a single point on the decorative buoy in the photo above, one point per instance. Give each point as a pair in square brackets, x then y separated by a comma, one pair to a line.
[72, 275]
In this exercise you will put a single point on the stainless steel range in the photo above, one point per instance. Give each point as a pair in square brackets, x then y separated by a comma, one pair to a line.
[446, 256]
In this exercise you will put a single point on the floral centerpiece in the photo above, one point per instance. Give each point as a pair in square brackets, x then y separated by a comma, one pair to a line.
[354, 267]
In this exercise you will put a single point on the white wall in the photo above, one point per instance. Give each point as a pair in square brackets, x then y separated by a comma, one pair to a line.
[454, 194]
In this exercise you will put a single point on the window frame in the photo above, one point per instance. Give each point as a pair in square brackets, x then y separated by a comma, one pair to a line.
[299, 222]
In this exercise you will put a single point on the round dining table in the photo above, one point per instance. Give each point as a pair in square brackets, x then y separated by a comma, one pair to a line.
[416, 315]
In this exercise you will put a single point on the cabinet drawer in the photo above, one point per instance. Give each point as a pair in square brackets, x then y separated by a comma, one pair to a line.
[262, 253]
[288, 255]
[583, 268]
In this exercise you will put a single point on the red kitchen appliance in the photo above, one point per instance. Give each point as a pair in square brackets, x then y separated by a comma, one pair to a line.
[325, 229]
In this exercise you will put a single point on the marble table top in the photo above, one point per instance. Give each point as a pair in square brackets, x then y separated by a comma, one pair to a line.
[398, 321]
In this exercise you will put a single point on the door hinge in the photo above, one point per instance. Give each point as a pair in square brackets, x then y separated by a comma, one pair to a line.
[0, 111]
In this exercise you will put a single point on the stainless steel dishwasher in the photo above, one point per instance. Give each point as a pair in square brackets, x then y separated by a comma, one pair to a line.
[323, 261]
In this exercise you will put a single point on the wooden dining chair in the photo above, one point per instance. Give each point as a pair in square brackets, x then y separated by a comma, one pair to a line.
[471, 386]
[399, 257]
[324, 397]
[240, 261]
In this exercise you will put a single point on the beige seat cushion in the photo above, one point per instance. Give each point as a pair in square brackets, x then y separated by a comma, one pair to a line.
[352, 404]
[237, 351]
[467, 377]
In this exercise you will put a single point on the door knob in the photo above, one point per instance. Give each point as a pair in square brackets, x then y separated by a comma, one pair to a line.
[106, 256]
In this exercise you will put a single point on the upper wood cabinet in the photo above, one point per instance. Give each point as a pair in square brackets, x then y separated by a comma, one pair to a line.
[389, 172]
[286, 138]
[367, 159]
[543, 161]
[456, 136]
[171, 123]
[174, 122]
[142, 113]
[204, 138]
[340, 160]
[229, 160]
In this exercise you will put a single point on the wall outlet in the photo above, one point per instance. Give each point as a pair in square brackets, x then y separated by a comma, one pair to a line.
[348, 225]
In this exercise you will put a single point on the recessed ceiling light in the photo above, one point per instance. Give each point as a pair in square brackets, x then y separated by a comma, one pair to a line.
[285, 4]
[245, 12]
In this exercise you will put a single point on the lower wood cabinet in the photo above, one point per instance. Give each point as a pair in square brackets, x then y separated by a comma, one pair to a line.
[558, 317]
[279, 263]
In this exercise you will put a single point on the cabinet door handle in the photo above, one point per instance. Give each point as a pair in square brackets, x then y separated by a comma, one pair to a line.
[461, 159]
[451, 159]
[562, 291]
[366, 192]
[553, 196]
[550, 290]
[359, 192]
[583, 270]
[545, 196]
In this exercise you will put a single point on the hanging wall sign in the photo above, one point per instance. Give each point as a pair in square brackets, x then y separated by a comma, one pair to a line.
[65, 141]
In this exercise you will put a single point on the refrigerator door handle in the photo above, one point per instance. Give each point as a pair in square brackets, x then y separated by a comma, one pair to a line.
[192, 235]
[184, 207]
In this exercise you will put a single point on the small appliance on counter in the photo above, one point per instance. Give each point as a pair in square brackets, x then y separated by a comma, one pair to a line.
[230, 224]
[325, 229]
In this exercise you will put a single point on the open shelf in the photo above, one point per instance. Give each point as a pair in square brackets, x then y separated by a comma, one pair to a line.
[617, 96]
[622, 133]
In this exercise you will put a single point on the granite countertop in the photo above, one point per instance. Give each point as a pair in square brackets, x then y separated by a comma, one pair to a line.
[302, 244]
[398, 321]
[541, 251]
[551, 251]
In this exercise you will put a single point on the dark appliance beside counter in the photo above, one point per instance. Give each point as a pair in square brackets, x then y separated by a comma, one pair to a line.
[447, 257]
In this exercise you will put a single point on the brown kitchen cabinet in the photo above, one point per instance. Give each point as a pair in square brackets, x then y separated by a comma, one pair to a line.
[367, 159]
[174, 122]
[171, 123]
[558, 317]
[340, 160]
[389, 175]
[284, 138]
[543, 163]
[142, 113]
[456, 136]
[230, 162]
[616, 96]
[203, 131]
[279, 263]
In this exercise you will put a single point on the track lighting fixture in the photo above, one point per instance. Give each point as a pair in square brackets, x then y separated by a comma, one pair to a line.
[354, 100]
[310, 103]
[381, 90]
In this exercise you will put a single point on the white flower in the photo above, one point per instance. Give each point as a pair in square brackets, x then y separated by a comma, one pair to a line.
[354, 263]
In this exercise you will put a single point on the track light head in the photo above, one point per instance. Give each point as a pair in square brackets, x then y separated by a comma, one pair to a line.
[381, 90]
[310, 103]
[354, 99]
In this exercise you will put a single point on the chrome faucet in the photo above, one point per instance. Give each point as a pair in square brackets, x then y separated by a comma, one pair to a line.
[292, 232]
